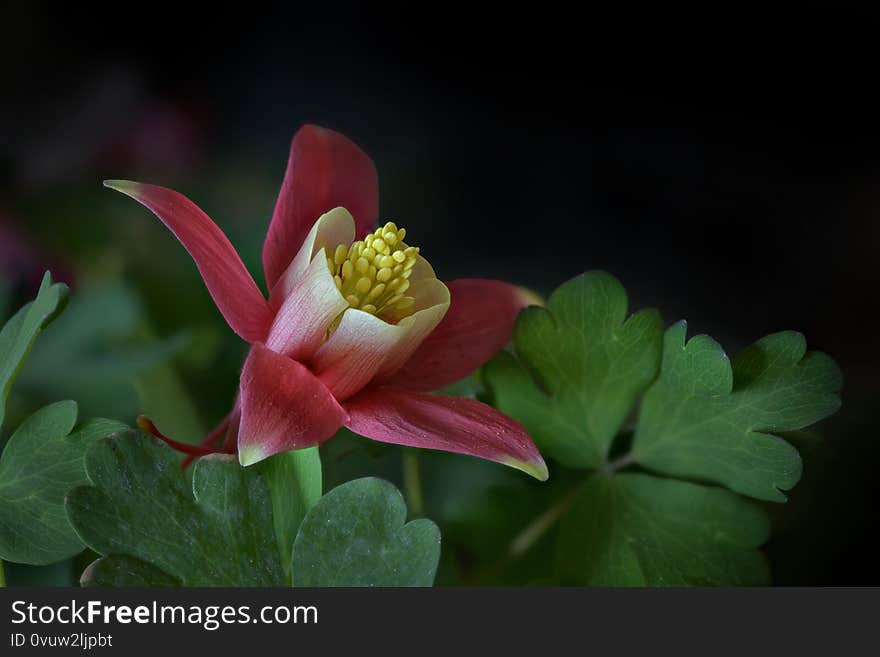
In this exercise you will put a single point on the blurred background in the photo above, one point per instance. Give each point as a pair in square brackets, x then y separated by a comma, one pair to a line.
[726, 168]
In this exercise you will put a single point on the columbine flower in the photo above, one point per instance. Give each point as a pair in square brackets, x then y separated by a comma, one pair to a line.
[356, 332]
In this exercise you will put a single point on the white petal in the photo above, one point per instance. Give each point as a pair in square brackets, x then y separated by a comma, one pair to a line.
[331, 228]
[308, 311]
[355, 352]
[432, 302]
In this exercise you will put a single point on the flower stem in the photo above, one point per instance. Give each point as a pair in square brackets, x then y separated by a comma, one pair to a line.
[2, 575]
[523, 541]
[146, 425]
[618, 464]
[412, 483]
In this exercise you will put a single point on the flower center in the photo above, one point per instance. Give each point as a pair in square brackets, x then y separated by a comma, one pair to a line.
[373, 274]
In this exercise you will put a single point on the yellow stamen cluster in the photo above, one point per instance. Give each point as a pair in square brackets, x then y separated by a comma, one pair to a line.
[373, 274]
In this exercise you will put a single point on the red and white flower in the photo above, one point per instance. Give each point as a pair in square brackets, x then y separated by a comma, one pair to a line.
[357, 330]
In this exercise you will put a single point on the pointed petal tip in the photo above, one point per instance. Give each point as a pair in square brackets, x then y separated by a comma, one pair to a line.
[529, 297]
[229, 282]
[537, 469]
[251, 455]
[145, 424]
[124, 186]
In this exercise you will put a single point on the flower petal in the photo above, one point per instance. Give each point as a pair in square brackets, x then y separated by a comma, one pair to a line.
[364, 346]
[478, 325]
[355, 352]
[432, 303]
[283, 407]
[332, 228]
[231, 286]
[325, 170]
[308, 311]
[422, 269]
[450, 424]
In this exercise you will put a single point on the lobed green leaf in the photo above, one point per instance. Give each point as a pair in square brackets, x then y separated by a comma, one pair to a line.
[357, 535]
[218, 531]
[708, 420]
[640, 530]
[39, 465]
[581, 365]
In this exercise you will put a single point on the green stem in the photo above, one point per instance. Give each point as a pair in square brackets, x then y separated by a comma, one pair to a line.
[2, 575]
[610, 467]
[412, 483]
[523, 541]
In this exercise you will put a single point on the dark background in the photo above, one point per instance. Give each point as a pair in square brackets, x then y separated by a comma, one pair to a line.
[725, 167]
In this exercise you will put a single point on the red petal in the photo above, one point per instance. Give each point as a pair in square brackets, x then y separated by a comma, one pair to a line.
[477, 326]
[450, 424]
[283, 407]
[227, 279]
[325, 170]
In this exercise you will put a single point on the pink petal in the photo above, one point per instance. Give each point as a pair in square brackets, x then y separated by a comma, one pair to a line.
[450, 424]
[301, 323]
[364, 346]
[325, 170]
[355, 352]
[432, 303]
[478, 325]
[283, 407]
[227, 279]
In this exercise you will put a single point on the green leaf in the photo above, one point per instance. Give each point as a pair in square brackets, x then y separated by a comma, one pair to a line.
[118, 571]
[216, 532]
[356, 536]
[640, 530]
[706, 420]
[19, 333]
[96, 350]
[589, 363]
[39, 465]
[294, 480]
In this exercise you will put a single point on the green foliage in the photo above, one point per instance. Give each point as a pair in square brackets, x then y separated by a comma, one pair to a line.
[120, 571]
[639, 530]
[216, 532]
[657, 440]
[578, 372]
[40, 463]
[705, 419]
[236, 526]
[96, 351]
[581, 364]
[357, 535]
[19, 333]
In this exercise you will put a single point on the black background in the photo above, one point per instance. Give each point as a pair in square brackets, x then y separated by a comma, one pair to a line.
[725, 167]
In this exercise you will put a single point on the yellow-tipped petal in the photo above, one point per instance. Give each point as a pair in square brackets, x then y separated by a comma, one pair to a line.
[537, 469]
